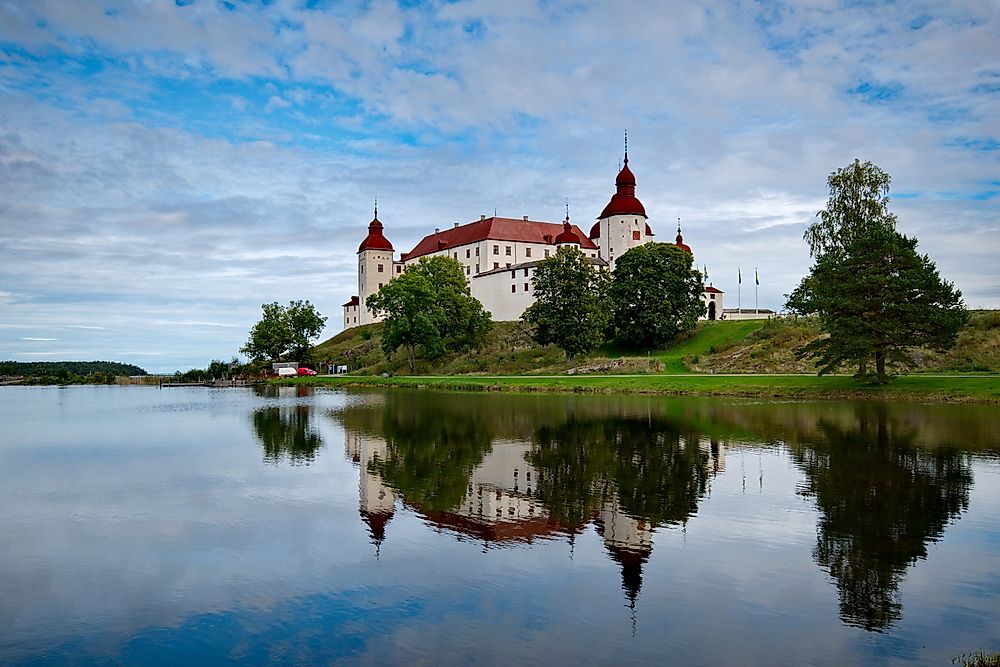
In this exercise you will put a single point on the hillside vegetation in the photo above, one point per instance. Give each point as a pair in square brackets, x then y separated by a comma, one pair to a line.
[752, 346]
[771, 349]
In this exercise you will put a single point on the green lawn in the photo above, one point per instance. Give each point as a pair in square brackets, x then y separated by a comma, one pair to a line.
[922, 388]
[710, 337]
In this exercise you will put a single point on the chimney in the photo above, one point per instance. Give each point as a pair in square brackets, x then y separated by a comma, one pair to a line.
[456, 224]
[482, 217]
[525, 218]
[436, 230]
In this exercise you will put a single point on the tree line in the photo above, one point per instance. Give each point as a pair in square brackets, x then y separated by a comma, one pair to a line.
[89, 372]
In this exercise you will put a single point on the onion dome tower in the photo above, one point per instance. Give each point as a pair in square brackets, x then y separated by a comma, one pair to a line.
[622, 224]
[375, 260]
[679, 241]
[567, 237]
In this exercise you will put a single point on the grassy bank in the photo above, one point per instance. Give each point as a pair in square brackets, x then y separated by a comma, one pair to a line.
[911, 387]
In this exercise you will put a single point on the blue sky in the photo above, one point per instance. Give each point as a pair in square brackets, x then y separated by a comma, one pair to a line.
[166, 167]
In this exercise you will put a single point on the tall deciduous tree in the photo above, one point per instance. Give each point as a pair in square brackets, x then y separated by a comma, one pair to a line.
[876, 298]
[571, 308]
[429, 310]
[656, 295]
[858, 203]
[284, 330]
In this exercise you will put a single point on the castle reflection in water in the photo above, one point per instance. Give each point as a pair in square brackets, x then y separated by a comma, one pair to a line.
[502, 503]
[886, 479]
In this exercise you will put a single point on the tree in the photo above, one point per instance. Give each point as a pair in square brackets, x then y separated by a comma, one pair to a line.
[876, 298]
[429, 309]
[858, 202]
[571, 308]
[284, 330]
[656, 295]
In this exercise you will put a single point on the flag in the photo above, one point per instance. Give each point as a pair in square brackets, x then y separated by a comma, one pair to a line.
[739, 276]
[756, 278]
[704, 273]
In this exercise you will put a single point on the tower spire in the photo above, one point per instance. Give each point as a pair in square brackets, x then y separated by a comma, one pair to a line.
[376, 207]
[626, 147]
[567, 209]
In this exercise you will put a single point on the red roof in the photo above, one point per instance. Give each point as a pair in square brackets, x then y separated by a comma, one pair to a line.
[624, 201]
[355, 301]
[375, 239]
[713, 290]
[567, 235]
[495, 229]
[679, 242]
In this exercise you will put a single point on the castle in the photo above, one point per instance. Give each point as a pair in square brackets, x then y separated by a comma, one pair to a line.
[499, 255]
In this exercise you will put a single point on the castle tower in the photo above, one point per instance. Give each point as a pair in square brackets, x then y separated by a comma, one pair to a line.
[375, 267]
[567, 237]
[622, 224]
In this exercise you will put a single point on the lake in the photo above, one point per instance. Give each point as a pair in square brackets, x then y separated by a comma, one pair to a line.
[290, 525]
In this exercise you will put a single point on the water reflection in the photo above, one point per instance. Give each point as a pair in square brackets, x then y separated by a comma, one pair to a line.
[516, 469]
[883, 499]
[505, 471]
[285, 432]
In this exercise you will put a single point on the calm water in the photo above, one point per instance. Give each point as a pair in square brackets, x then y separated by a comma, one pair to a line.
[184, 526]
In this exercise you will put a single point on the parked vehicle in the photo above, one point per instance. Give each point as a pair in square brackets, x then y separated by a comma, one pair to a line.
[306, 371]
[287, 372]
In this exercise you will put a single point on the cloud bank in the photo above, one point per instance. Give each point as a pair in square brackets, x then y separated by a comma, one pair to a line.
[167, 167]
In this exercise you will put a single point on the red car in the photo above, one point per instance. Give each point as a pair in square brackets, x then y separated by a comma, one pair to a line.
[306, 371]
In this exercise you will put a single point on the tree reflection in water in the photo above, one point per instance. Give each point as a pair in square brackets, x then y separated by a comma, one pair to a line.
[285, 432]
[518, 468]
[882, 498]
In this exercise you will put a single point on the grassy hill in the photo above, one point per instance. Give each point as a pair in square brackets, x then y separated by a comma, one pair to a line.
[752, 346]
[509, 350]
[771, 349]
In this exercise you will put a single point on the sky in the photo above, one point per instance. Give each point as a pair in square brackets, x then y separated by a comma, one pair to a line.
[167, 167]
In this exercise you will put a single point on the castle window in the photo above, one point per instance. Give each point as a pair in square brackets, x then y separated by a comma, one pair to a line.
[711, 296]
[496, 265]
[527, 252]
[496, 250]
[526, 272]
[635, 235]
[508, 251]
[513, 274]
[477, 268]
[513, 288]
[456, 254]
[380, 285]
[467, 270]
[380, 268]
[546, 253]
[468, 253]
[477, 251]
[525, 287]
[508, 265]
[399, 269]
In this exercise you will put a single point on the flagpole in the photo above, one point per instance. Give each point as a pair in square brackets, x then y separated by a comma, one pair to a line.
[739, 291]
[756, 284]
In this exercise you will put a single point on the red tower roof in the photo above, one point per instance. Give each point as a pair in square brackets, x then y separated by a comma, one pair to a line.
[567, 235]
[679, 241]
[375, 239]
[624, 201]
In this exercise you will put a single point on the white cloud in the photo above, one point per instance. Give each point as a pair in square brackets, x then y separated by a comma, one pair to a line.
[141, 216]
